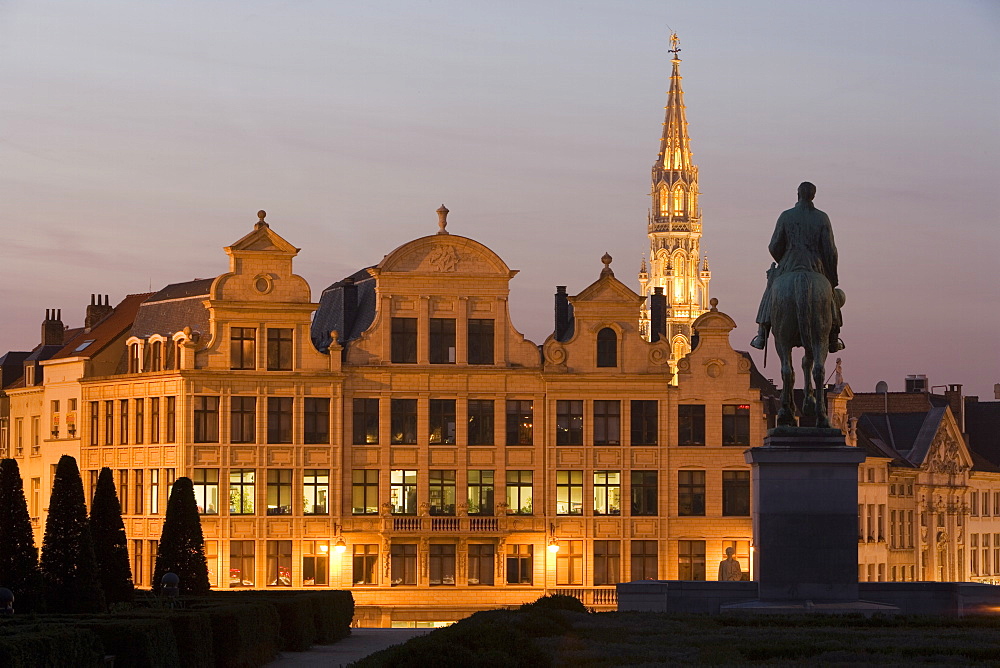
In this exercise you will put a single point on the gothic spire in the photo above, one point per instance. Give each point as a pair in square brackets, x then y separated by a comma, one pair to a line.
[675, 145]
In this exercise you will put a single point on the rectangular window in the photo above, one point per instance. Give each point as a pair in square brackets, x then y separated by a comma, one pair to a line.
[442, 339]
[154, 491]
[35, 500]
[404, 341]
[279, 563]
[316, 427]
[243, 419]
[569, 563]
[690, 493]
[18, 437]
[481, 563]
[123, 490]
[403, 564]
[607, 422]
[691, 424]
[519, 564]
[644, 560]
[140, 492]
[519, 492]
[95, 422]
[644, 493]
[365, 564]
[122, 422]
[736, 493]
[206, 419]
[442, 422]
[607, 562]
[481, 421]
[154, 420]
[279, 349]
[974, 553]
[404, 421]
[241, 563]
[154, 549]
[364, 491]
[279, 419]
[569, 422]
[442, 565]
[569, 492]
[480, 487]
[279, 491]
[607, 493]
[442, 492]
[519, 422]
[36, 433]
[140, 421]
[480, 341]
[243, 347]
[171, 419]
[736, 424]
[403, 492]
[645, 422]
[974, 504]
[242, 483]
[315, 563]
[109, 422]
[137, 568]
[986, 504]
[690, 560]
[366, 422]
[316, 490]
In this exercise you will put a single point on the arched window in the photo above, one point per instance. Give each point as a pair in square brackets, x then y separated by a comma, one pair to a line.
[664, 202]
[607, 347]
[156, 356]
[133, 358]
[680, 348]
[678, 207]
[679, 282]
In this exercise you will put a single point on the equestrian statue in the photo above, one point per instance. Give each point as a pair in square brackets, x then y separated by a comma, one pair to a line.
[801, 305]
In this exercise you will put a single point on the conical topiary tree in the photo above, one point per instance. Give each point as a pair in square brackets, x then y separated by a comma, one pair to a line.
[69, 569]
[182, 546]
[18, 556]
[110, 546]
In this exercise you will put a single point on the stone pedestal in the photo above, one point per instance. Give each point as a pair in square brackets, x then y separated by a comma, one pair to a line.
[805, 516]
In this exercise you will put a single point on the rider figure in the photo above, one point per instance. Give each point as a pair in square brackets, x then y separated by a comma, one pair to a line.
[802, 241]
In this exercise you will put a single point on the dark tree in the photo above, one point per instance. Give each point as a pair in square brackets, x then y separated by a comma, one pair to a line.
[18, 556]
[69, 568]
[182, 546]
[110, 546]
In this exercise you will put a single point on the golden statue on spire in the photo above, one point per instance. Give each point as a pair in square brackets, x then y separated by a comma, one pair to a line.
[675, 44]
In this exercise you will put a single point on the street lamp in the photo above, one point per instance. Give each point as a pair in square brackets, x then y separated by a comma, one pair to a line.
[553, 543]
[340, 546]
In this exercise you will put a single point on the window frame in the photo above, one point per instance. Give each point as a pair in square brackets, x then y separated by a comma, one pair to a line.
[569, 422]
[691, 425]
[569, 492]
[403, 340]
[644, 422]
[520, 432]
[279, 488]
[280, 348]
[441, 341]
[481, 341]
[481, 421]
[242, 348]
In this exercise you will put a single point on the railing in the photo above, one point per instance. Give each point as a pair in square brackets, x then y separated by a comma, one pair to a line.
[478, 525]
[596, 596]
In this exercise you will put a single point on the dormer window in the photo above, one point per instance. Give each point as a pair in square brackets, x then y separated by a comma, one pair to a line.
[156, 356]
[607, 348]
[133, 358]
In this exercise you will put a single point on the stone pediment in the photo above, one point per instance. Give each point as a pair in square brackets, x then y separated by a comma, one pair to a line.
[607, 289]
[444, 254]
[263, 239]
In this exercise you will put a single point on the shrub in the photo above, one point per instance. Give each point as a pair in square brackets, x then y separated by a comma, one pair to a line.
[110, 548]
[243, 634]
[192, 634]
[556, 602]
[334, 612]
[135, 641]
[182, 545]
[18, 557]
[29, 646]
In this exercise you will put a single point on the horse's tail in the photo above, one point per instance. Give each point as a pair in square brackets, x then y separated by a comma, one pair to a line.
[812, 294]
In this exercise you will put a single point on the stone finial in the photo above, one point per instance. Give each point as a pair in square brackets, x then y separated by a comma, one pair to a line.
[704, 266]
[442, 213]
[714, 303]
[838, 372]
[642, 267]
[260, 219]
[606, 259]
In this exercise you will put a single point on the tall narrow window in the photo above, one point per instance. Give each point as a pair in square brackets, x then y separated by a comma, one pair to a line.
[690, 493]
[678, 201]
[607, 562]
[569, 492]
[243, 419]
[109, 422]
[644, 422]
[569, 563]
[607, 348]
[316, 491]
[156, 356]
[569, 422]
[366, 422]
[607, 493]
[154, 491]
[441, 492]
[242, 484]
[140, 421]
[241, 563]
[279, 349]
[154, 420]
[736, 493]
[664, 202]
[316, 427]
[481, 421]
[123, 489]
[644, 560]
[607, 422]
[520, 422]
[690, 560]
[279, 563]
[403, 492]
[171, 420]
[519, 492]
[364, 491]
[206, 490]
[140, 492]
[365, 564]
[481, 564]
[404, 341]
[279, 419]
[644, 493]
[315, 563]
[404, 421]
[520, 566]
[480, 341]
[442, 565]
[736, 424]
[691, 424]
[403, 564]
[206, 419]
[442, 422]
[95, 422]
[279, 491]
[137, 568]
[480, 488]
[123, 421]
[243, 347]
[442, 340]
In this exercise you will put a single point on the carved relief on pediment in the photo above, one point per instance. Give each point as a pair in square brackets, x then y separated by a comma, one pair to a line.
[945, 456]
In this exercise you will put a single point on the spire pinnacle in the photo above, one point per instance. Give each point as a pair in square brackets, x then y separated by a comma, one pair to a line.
[675, 45]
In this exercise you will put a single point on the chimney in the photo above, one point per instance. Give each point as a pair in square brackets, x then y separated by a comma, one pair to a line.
[954, 396]
[657, 315]
[52, 328]
[562, 312]
[350, 305]
[99, 309]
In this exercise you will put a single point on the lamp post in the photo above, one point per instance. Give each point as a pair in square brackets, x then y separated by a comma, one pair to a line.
[171, 584]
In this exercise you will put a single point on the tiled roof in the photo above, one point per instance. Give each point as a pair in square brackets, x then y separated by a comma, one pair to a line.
[199, 287]
[104, 332]
[982, 424]
[173, 308]
[330, 314]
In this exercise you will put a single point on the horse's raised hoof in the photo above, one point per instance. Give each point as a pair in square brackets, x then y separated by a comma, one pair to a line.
[809, 406]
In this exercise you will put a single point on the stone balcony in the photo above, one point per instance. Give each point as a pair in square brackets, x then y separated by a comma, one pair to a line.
[477, 526]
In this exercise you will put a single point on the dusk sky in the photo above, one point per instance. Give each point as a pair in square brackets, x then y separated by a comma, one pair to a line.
[139, 138]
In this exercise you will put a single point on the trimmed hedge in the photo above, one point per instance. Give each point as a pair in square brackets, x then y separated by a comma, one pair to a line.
[244, 635]
[192, 632]
[30, 646]
[135, 641]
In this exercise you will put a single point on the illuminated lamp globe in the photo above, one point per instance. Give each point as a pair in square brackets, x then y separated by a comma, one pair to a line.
[553, 546]
[340, 546]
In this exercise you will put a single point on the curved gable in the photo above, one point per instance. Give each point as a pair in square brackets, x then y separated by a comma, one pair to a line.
[444, 254]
